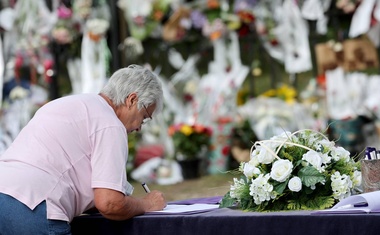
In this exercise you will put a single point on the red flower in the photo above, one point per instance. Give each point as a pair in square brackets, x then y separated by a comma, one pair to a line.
[246, 17]
[226, 150]
[321, 80]
[244, 30]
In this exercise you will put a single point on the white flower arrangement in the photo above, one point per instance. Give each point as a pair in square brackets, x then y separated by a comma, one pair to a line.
[294, 171]
[97, 26]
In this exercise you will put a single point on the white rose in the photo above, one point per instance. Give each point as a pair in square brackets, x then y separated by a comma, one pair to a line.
[265, 156]
[281, 170]
[340, 153]
[279, 139]
[295, 184]
[313, 158]
[255, 152]
[250, 169]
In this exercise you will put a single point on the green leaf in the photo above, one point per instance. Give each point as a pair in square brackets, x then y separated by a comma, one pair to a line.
[280, 187]
[311, 203]
[227, 201]
[310, 176]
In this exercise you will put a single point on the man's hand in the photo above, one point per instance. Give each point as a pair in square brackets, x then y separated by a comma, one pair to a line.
[154, 201]
[115, 205]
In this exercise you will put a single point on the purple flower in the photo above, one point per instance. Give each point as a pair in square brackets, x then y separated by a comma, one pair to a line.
[244, 4]
[198, 19]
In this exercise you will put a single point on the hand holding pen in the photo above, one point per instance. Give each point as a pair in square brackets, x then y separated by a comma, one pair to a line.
[146, 188]
[155, 198]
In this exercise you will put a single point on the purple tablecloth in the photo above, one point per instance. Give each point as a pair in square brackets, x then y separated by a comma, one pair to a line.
[230, 221]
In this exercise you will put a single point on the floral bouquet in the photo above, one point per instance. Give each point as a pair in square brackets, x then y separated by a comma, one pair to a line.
[190, 141]
[294, 171]
[285, 92]
[144, 17]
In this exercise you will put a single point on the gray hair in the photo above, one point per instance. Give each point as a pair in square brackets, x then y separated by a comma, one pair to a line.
[135, 78]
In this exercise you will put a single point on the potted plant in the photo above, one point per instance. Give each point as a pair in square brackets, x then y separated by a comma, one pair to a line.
[191, 143]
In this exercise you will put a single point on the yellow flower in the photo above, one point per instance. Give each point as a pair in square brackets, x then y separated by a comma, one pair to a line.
[269, 93]
[186, 130]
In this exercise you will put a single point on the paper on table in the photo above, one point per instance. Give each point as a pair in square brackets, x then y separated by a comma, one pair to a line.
[346, 205]
[201, 200]
[184, 209]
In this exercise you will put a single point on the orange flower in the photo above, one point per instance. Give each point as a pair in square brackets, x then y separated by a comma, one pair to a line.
[213, 4]
[246, 17]
[157, 15]
[171, 130]
[94, 37]
[198, 128]
[215, 35]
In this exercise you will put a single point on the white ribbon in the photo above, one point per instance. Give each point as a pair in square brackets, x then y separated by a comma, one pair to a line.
[312, 10]
[93, 64]
[361, 20]
[292, 32]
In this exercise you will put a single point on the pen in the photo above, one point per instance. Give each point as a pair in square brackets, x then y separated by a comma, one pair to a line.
[370, 153]
[147, 190]
[348, 206]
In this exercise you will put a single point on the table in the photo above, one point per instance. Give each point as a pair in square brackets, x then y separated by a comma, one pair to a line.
[230, 221]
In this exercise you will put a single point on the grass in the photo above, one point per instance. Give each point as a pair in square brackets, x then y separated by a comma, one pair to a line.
[205, 186]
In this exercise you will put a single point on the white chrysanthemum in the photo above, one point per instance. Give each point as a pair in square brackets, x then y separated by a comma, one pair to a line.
[261, 190]
[341, 185]
[295, 184]
[237, 188]
[314, 158]
[281, 170]
[340, 153]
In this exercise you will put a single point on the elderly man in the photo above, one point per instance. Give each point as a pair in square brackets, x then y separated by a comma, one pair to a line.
[71, 157]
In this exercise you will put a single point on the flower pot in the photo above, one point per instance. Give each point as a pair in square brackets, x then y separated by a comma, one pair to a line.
[190, 168]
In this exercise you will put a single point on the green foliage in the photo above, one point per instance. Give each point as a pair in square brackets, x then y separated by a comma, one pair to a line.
[310, 176]
[280, 187]
[190, 140]
[314, 203]
[227, 201]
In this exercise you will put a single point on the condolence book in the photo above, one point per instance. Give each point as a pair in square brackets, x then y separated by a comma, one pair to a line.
[361, 203]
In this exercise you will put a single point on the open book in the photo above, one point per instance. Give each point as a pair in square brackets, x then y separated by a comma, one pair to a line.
[184, 209]
[361, 203]
[189, 206]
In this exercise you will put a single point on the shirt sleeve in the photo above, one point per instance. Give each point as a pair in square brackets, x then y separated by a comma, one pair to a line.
[109, 159]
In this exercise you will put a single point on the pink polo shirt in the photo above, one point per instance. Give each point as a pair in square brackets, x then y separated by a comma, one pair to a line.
[71, 146]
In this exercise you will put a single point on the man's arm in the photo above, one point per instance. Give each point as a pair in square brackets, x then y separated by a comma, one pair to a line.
[116, 206]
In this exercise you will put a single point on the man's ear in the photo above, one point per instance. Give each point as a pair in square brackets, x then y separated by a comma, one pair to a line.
[131, 100]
